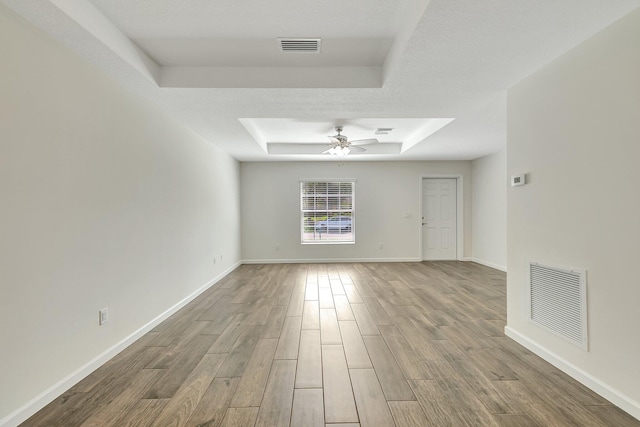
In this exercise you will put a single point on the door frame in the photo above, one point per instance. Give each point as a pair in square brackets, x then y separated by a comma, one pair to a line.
[459, 212]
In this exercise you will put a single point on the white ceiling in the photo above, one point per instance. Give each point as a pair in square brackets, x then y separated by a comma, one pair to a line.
[413, 65]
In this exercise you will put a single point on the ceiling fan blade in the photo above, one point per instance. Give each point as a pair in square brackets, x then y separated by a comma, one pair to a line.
[334, 139]
[326, 151]
[356, 149]
[363, 141]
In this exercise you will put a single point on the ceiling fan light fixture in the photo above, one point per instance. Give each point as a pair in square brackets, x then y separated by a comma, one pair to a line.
[340, 144]
[338, 150]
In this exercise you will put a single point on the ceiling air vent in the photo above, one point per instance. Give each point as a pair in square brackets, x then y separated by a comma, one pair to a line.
[383, 131]
[295, 45]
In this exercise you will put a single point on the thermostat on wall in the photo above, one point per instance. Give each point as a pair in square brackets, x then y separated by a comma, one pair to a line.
[517, 180]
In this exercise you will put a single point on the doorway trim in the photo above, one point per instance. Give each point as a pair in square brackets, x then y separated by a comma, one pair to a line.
[459, 212]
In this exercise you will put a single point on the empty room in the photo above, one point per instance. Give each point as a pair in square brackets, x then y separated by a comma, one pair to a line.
[332, 214]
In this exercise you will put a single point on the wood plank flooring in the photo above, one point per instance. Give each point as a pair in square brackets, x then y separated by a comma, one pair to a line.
[330, 345]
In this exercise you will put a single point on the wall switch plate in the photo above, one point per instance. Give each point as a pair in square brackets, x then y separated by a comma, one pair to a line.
[517, 180]
[103, 316]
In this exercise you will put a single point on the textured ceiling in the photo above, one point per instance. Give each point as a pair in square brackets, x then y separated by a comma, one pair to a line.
[262, 52]
[252, 18]
[211, 63]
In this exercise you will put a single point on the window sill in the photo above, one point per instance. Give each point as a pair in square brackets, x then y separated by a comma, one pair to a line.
[327, 242]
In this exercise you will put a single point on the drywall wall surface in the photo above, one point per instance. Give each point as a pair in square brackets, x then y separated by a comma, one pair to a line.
[388, 209]
[106, 202]
[489, 210]
[574, 129]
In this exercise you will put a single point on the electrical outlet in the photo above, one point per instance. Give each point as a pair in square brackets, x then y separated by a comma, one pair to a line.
[103, 316]
[381, 245]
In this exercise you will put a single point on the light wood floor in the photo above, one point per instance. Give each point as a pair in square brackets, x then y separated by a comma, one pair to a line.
[405, 344]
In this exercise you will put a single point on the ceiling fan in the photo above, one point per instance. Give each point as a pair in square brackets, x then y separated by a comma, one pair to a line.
[341, 146]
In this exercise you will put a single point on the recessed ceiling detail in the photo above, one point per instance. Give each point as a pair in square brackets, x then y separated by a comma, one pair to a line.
[180, 56]
[296, 45]
[306, 137]
[211, 63]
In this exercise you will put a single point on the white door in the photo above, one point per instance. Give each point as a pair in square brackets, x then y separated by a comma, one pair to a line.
[439, 219]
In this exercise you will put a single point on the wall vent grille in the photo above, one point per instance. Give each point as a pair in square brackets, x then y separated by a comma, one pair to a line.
[294, 45]
[558, 301]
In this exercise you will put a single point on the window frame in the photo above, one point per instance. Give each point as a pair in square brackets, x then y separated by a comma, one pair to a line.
[338, 212]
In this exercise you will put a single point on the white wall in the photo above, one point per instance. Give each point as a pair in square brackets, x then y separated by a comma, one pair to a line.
[489, 208]
[105, 201]
[385, 192]
[574, 128]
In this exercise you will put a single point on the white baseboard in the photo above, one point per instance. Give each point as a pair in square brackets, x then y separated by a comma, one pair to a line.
[345, 260]
[614, 396]
[43, 399]
[327, 260]
[487, 263]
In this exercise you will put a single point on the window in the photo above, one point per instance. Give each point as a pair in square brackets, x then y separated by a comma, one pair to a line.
[327, 212]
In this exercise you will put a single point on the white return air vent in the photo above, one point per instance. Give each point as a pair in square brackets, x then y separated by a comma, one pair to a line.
[297, 45]
[558, 301]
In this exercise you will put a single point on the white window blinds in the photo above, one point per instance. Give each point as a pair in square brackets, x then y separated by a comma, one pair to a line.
[327, 210]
